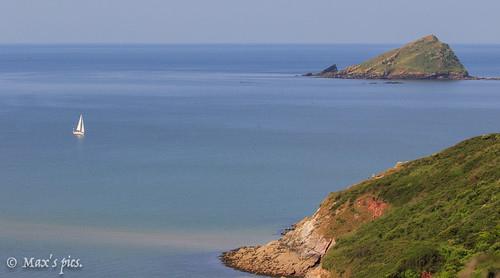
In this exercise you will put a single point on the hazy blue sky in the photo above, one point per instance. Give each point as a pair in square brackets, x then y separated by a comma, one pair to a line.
[247, 21]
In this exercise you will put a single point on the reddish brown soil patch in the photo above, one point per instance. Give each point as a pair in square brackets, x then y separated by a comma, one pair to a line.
[377, 208]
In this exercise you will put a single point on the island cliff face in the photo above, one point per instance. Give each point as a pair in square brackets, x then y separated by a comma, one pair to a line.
[433, 217]
[426, 58]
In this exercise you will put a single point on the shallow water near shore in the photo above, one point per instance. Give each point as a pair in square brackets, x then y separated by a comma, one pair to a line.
[194, 150]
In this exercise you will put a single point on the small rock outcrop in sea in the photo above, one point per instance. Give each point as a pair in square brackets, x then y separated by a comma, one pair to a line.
[426, 58]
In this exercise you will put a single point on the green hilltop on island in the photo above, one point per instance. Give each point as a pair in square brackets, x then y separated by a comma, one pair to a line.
[425, 58]
[437, 216]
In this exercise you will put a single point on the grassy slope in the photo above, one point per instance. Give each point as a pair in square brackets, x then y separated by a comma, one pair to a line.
[444, 211]
[426, 55]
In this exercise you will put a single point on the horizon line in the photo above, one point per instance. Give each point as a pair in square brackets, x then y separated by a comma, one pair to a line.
[229, 43]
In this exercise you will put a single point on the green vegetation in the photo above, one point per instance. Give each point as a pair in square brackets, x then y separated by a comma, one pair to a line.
[444, 214]
[427, 55]
[426, 58]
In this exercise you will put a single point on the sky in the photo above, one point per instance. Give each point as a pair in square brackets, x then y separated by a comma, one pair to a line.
[248, 21]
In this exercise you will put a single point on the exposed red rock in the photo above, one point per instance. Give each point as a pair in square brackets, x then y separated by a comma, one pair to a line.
[377, 208]
[425, 274]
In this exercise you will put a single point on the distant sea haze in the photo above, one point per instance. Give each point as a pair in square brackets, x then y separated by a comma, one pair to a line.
[193, 150]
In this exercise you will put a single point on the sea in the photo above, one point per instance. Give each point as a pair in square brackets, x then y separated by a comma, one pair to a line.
[192, 150]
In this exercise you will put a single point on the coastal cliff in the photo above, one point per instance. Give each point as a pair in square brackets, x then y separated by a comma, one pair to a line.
[432, 217]
[299, 251]
[425, 58]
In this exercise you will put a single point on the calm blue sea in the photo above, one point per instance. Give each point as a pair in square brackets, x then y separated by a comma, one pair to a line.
[196, 149]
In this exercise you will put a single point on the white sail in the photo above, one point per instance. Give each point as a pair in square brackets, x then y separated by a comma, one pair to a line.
[79, 124]
[80, 127]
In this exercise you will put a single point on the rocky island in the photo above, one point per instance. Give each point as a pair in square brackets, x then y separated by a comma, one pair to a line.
[425, 58]
[436, 216]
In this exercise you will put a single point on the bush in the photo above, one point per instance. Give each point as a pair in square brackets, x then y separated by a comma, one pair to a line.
[420, 258]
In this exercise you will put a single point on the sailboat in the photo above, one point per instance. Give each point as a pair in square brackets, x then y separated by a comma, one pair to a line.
[80, 127]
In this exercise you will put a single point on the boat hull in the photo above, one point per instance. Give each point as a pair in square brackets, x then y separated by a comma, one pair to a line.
[78, 133]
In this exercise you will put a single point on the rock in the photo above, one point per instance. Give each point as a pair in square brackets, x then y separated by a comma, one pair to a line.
[317, 272]
[331, 69]
[426, 58]
[299, 251]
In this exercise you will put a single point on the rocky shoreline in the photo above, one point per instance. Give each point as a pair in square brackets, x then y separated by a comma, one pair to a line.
[413, 76]
[299, 251]
[294, 255]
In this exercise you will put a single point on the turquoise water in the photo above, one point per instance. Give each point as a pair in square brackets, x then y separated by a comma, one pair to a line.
[193, 150]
